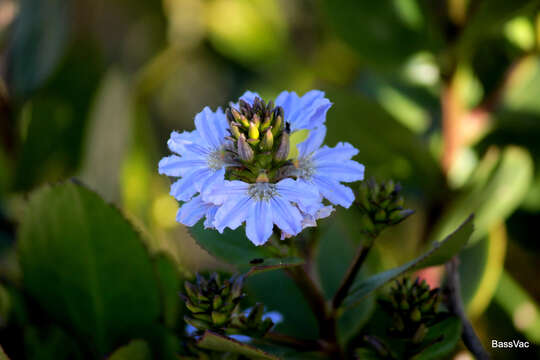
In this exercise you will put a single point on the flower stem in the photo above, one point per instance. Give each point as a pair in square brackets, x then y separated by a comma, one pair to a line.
[348, 280]
[469, 337]
[298, 344]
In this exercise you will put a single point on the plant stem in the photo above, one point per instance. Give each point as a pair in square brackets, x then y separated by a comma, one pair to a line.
[348, 280]
[313, 295]
[469, 337]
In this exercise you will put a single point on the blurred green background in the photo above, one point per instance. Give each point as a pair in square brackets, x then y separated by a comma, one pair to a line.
[443, 96]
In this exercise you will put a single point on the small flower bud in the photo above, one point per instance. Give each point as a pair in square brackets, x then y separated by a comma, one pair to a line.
[277, 126]
[256, 120]
[266, 123]
[253, 131]
[219, 319]
[235, 131]
[245, 152]
[267, 141]
[416, 315]
[282, 152]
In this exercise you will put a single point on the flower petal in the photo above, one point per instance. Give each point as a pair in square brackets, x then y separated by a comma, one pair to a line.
[178, 166]
[307, 112]
[298, 192]
[207, 124]
[347, 171]
[232, 213]
[219, 192]
[210, 216]
[186, 187]
[178, 141]
[342, 151]
[313, 142]
[333, 191]
[286, 216]
[249, 96]
[288, 101]
[259, 222]
[192, 211]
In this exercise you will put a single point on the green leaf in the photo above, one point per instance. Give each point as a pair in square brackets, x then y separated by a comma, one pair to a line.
[492, 195]
[480, 267]
[384, 33]
[170, 285]
[439, 254]
[87, 267]
[50, 342]
[519, 306]
[489, 17]
[39, 40]
[135, 350]
[3, 355]
[450, 330]
[278, 292]
[274, 264]
[334, 255]
[216, 342]
[231, 246]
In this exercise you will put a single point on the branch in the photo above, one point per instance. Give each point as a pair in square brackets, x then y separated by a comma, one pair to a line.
[469, 337]
[348, 280]
[298, 344]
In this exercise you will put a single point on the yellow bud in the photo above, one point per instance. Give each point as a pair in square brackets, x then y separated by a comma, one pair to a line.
[253, 131]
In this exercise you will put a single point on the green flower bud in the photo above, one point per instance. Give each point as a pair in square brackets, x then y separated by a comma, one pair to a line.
[235, 131]
[416, 315]
[245, 152]
[253, 131]
[266, 123]
[282, 152]
[217, 302]
[219, 319]
[277, 127]
[267, 141]
[420, 334]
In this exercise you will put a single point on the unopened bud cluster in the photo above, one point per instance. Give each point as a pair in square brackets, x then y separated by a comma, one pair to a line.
[212, 303]
[382, 204]
[414, 307]
[215, 305]
[260, 141]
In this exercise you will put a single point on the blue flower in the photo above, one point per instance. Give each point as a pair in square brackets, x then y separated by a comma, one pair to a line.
[325, 168]
[261, 205]
[306, 112]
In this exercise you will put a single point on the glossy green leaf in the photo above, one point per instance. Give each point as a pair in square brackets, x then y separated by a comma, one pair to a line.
[86, 266]
[492, 195]
[216, 342]
[439, 254]
[450, 331]
[273, 264]
[135, 350]
[231, 246]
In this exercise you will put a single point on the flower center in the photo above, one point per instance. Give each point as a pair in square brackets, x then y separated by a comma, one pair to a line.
[262, 191]
[259, 141]
[216, 159]
[304, 168]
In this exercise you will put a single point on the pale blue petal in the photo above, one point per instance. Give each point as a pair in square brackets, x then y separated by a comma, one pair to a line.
[232, 213]
[275, 316]
[178, 166]
[192, 211]
[333, 191]
[313, 142]
[178, 141]
[206, 124]
[240, 338]
[215, 176]
[221, 124]
[347, 171]
[190, 330]
[308, 112]
[342, 151]
[210, 216]
[219, 192]
[259, 222]
[299, 192]
[287, 100]
[249, 97]
[286, 216]
[186, 187]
